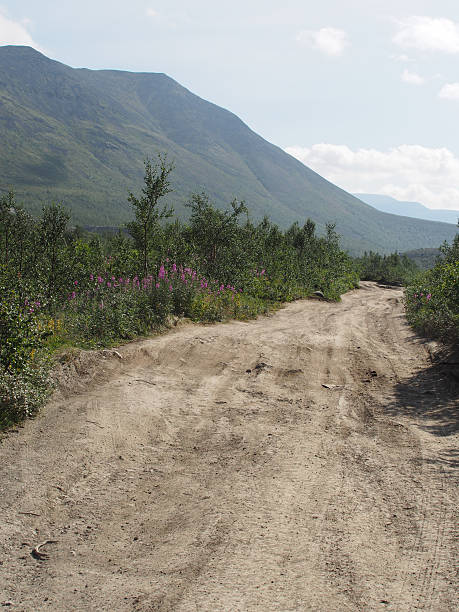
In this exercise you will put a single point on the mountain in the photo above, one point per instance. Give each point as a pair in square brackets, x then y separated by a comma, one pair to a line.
[80, 137]
[408, 209]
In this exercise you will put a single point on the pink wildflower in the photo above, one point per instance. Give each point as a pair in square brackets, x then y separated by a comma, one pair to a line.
[428, 296]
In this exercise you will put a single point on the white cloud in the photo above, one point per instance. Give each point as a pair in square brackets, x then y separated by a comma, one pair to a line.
[330, 41]
[407, 172]
[428, 34]
[401, 58]
[450, 91]
[15, 33]
[412, 78]
[151, 12]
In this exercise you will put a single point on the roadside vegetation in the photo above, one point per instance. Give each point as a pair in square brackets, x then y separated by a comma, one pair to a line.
[61, 287]
[432, 299]
[393, 269]
[431, 296]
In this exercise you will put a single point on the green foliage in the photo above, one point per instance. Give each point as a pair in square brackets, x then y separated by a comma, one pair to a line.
[20, 335]
[432, 299]
[394, 269]
[425, 259]
[146, 227]
[23, 361]
[51, 233]
[23, 393]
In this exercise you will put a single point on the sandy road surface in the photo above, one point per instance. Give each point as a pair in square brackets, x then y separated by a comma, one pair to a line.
[211, 470]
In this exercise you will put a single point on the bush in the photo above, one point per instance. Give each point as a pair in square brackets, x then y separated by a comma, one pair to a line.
[24, 365]
[394, 269]
[432, 302]
[22, 393]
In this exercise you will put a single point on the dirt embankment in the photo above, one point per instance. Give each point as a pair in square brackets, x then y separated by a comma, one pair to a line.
[304, 461]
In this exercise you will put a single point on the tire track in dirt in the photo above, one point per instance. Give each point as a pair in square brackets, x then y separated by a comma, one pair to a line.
[210, 469]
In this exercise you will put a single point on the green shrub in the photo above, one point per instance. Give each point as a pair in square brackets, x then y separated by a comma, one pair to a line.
[23, 393]
[24, 365]
[432, 302]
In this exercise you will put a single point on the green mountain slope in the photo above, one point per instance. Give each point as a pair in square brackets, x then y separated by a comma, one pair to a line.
[80, 136]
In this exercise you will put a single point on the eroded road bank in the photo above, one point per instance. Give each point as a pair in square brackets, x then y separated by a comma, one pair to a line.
[304, 461]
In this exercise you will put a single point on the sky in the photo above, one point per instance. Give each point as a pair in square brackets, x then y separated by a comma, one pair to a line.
[364, 92]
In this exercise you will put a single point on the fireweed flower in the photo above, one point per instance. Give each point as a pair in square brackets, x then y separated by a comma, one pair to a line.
[157, 285]
[162, 272]
[428, 296]
[170, 287]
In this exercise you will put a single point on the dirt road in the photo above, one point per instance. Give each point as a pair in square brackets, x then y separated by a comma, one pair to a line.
[304, 461]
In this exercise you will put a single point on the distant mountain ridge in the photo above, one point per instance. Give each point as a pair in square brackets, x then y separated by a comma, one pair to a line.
[408, 209]
[80, 136]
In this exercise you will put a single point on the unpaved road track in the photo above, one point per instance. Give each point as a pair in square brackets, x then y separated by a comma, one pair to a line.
[211, 470]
